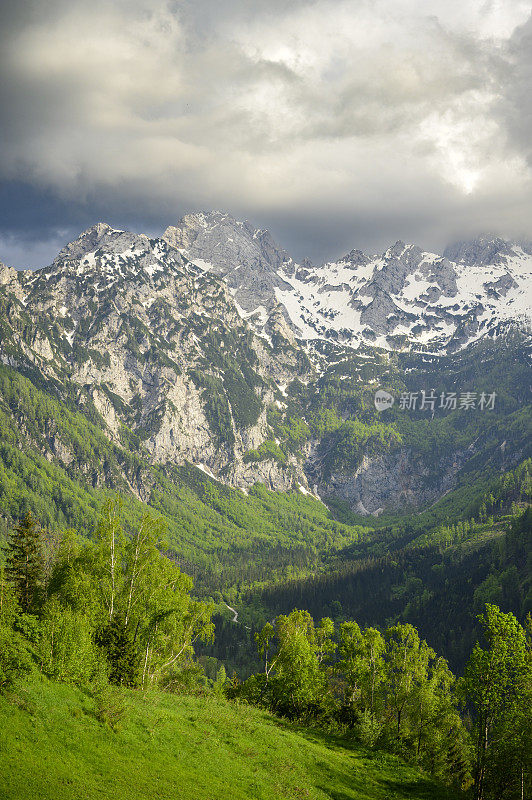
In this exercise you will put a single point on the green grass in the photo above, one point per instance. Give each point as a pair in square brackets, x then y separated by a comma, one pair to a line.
[184, 748]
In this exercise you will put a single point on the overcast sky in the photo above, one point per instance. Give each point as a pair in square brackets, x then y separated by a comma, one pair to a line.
[340, 124]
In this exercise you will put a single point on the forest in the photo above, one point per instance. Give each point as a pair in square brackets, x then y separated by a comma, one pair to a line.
[111, 611]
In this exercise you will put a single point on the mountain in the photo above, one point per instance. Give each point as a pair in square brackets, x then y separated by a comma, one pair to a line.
[148, 339]
[352, 439]
[210, 345]
[404, 298]
[246, 257]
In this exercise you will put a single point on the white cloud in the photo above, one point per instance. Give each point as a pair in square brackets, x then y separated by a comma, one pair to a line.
[344, 107]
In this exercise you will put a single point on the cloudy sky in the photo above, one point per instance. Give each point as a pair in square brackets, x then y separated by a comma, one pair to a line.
[335, 123]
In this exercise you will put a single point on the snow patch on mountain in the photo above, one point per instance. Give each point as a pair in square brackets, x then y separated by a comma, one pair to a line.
[403, 298]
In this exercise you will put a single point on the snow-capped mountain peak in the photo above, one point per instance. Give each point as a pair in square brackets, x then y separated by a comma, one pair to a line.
[487, 250]
[405, 297]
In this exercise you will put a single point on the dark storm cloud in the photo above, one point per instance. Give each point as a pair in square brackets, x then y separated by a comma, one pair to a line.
[338, 123]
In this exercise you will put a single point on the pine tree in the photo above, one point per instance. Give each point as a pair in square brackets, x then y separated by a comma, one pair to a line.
[24, 567]
[121, 653]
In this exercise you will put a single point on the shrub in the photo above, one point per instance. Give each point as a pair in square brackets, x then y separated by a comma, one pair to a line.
[15, 659]
[110, 706]
[369, 729]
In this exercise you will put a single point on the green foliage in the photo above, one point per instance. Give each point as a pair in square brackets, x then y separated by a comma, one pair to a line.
[240, 385]
[230, 394]
[291, 430]
[433, 578]
[360, 668]
[267, 451]
[266, 533]
[347, 444]
[241, 539]
[41, 415]
[498, 682]
[513, 488]
[216, 406]
[298, 685]
[116, 640]
[15, 658]
[324, 421]
[144, 619]
[24, 567]
[66, 649]
[115, 605]
[369, 728]
[391, 689]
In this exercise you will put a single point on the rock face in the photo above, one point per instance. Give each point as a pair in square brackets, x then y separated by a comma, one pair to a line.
[484, 250]
[189, 342]
[410, 299]
[153, 343]
[10, 281]
[248, 258]
[399, 480]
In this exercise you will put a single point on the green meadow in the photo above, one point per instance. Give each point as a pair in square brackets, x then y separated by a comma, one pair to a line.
[53, 746]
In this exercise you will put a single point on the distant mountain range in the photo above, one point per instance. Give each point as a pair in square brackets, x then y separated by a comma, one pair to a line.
[212, 345]
[405, 297]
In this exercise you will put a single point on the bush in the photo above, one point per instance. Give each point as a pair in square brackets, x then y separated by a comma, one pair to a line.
[110, 706]
[15, 659]
[369, 729]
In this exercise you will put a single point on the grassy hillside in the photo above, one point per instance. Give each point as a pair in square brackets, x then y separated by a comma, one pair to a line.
[183, 748]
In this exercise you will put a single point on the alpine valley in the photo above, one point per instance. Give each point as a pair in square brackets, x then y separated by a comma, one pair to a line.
[208, 375]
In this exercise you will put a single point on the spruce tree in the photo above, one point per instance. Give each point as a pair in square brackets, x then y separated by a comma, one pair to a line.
[24, 567]
[121, 653]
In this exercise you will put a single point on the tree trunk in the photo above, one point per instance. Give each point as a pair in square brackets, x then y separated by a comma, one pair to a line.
[481, 760]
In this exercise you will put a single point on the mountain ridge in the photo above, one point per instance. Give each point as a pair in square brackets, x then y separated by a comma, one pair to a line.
[154, 340]
[405, 297]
